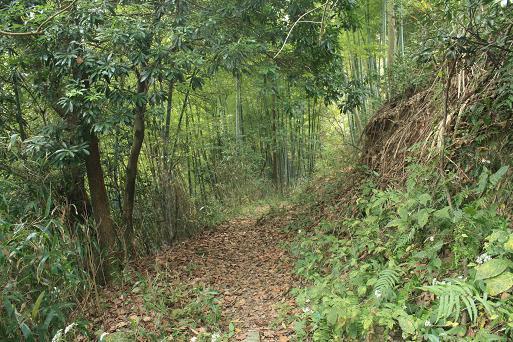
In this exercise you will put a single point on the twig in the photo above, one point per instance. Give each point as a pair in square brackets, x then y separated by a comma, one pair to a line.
[451, 69]
[294, 25]
[39, 30]
[322, 21]
[310, 21]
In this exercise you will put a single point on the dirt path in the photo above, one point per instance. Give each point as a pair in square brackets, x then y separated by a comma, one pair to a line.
[244, 261]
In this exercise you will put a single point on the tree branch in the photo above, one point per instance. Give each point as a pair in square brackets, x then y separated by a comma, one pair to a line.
[40, 28]
[294, 25]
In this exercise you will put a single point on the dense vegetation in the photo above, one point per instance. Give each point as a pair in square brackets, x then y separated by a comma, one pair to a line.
[127, 126]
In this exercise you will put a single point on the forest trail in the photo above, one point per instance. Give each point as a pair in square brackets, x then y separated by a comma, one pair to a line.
[244, 261]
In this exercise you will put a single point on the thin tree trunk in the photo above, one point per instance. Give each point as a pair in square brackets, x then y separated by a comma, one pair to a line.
[131, 169]
[166, 171]
[101, 209]
[19, 113]
[274, 153]
[391, 41]
[169, 109]
[238, 109]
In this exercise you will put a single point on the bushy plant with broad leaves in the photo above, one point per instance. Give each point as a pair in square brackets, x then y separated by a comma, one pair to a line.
[410, 266]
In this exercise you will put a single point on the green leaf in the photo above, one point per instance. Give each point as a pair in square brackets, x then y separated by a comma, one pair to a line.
[40, 266]
[459, 331]
[27, 333]
[37, 305]
[499, 284]
[400, 223]
[497, 176]
[443, 213]
[423, 217]
[362, 290]
[404, 213]
[491, 268]
[48, 204]
[424, 199]
[407, 325]
[332, 316]
[508, 245]
[9, 308]
[483, 181]
[49, 318]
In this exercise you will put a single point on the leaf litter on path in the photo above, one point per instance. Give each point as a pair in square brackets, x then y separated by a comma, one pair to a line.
[243, 261]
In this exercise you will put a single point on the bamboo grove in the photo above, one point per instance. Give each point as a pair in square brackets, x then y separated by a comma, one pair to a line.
[141, 115]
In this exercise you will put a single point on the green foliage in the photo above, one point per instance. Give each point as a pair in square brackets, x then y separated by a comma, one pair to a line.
[387, 286]
[83, 73]
[43, 272]
[453, 295]
[176, 309]
[385, 283]
[230, 102]
[491, 268]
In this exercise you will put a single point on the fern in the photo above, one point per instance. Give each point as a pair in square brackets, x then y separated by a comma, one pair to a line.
[386, 282]
[455, 295]
[322, 333]
[406, 239]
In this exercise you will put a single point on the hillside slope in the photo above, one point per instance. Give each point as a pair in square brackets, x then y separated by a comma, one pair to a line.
[415, 243]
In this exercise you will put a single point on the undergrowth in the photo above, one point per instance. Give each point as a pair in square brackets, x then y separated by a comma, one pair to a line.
[45, 268]
[411, 264]
[150, 308]
[174, 312]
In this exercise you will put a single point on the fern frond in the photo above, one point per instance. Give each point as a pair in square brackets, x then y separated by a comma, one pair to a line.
[387, 281]
[406, 239]
[455, 295]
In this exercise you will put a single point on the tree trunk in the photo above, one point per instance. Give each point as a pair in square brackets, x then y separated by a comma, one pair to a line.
[166, 171]
[76, 195]
[238, 110]
[188, 152]
[391, 41]
[274, 152]
[19, 113]
[101, 210]
[131, 169]
[169, 109]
